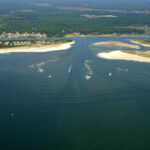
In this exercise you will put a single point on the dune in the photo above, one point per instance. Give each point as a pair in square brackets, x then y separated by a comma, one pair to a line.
[119, 55]
[37, 49]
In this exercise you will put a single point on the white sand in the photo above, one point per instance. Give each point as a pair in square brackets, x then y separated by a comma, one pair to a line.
[41, 49]
[116, 43]
[138, 42]
[119, 55]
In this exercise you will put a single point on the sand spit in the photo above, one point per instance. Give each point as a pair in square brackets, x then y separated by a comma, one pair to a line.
[116, 43]
[119, 55]
[36, 49]
[140, 42]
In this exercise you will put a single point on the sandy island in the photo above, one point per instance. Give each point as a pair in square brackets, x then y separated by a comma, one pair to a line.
[120, 55]
[116, 43]
[38, 49]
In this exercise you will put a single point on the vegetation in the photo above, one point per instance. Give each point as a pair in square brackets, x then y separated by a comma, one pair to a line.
[145, 28]
[147, 42]
[142, 53]
[38, 43]
[68, 18]
[142, 42]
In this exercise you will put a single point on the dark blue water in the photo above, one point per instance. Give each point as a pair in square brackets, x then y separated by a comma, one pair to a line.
[73, 100]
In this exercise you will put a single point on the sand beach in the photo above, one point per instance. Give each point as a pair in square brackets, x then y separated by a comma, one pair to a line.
[37, 49]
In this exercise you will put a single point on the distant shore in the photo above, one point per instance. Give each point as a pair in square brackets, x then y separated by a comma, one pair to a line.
[105, 35]
[120, 55]
[38, 49]
[83, 35]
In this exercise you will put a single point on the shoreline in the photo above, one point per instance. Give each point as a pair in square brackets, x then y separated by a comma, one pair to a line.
[89, 35]
[36, 49]
[119, 55]
[105, 35]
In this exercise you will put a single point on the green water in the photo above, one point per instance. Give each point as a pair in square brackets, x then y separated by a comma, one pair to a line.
[73, 100]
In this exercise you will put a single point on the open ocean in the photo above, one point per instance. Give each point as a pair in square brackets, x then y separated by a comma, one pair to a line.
[73, 100]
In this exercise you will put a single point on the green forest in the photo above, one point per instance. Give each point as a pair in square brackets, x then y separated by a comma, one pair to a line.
[60, 20]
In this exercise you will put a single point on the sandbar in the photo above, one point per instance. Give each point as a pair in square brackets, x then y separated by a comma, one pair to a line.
[116, 43]
[120, 55]
[141, 42]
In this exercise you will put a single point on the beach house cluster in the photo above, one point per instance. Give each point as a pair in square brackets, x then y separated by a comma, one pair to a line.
[14, 43]
[23, 35]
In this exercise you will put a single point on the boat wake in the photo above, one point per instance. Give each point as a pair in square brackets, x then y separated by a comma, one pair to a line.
[122, 69]
[40, 70]
[70, 68]
[39, 65]
[89, 71]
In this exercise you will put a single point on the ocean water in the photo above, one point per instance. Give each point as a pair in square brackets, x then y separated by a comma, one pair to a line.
[73, 100]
